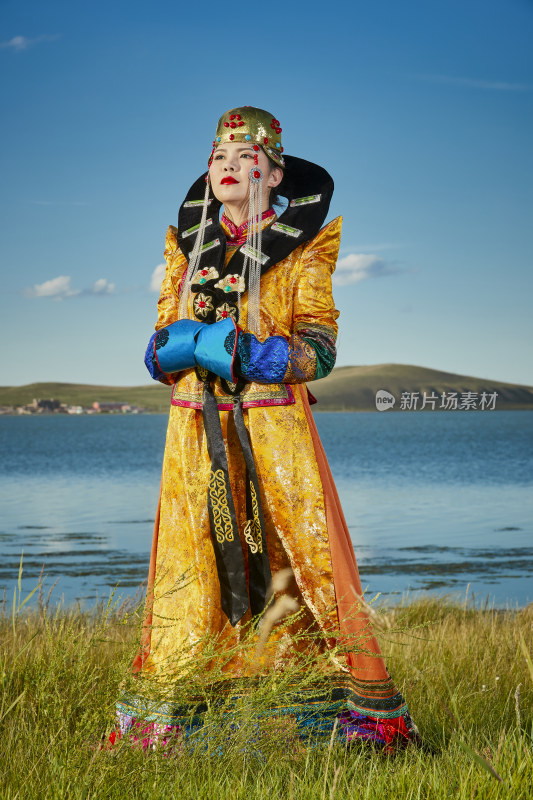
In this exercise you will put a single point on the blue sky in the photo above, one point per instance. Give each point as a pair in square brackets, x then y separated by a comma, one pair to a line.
[421, 111]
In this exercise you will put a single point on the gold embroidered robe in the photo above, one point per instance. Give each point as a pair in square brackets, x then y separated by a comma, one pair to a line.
[305, 528]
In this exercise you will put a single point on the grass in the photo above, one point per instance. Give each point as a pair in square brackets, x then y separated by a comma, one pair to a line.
[466, 673]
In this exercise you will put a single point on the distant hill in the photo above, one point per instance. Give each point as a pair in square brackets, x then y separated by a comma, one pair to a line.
[346, 389]
[153, 397]
[354, 388]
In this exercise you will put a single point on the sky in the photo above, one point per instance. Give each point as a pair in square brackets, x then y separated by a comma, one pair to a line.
[421, 111]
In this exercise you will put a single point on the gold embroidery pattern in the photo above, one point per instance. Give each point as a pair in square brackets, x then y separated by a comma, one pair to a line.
[250, 534]
[252, 529]
[328, 330]
[226, 310]
[219, 501]
[301, 366]
[251, 392]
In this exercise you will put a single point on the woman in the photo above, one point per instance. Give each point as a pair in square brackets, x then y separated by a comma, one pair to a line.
[245, 318]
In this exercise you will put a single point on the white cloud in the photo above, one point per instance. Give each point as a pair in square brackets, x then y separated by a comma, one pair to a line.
[60, 288]
[157, 278]
[56, 288]
[19, 43]
[357, 267]
[473, 83]
[101, 286]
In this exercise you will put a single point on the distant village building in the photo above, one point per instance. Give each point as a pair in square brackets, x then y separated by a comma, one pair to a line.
[45, 406]
[104, 407]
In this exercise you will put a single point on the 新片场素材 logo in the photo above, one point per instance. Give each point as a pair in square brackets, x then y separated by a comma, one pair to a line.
[384, 400]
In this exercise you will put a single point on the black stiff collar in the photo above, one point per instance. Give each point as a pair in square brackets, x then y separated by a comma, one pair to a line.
[308, 189]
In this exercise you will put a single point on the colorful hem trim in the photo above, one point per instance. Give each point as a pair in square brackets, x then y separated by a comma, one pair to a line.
[314, 712]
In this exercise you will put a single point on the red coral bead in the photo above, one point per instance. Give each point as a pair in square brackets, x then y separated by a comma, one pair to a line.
[257, 174]
[233, 124]
[204, 272]
[226, 124]
[231, 136]
[256, 147]
[241, 123]
[224, 314]
[232, 116]
[201, 303]
[233, 280]
[282, 149]
[278, 130]
[237, 116]
[265, 140]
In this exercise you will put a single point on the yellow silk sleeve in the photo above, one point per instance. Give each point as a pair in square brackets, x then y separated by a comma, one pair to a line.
[312, 344]
[313, 305]
[167, 305]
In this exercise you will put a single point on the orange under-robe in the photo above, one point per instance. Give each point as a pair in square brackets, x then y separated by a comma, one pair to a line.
[304, 526]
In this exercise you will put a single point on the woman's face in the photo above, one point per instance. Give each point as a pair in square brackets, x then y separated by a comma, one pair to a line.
[230, 169]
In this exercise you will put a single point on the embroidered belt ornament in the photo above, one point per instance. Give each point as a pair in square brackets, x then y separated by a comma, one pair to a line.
[204, 275]
[231, 283]
[252, 530]
[235, 596]
[218, 495]
[226, 310]
[203, 305]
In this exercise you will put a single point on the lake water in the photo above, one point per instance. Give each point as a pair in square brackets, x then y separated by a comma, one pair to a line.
[435, 502]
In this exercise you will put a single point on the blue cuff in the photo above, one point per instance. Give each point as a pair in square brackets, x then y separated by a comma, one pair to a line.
[263, 362]
[215, 348]
[172, 348]
[150, 360]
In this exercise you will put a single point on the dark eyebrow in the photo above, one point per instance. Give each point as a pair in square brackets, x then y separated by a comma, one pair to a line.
[239, 149]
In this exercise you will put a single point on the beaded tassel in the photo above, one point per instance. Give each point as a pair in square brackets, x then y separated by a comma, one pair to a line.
[183, 308]
[253, 254]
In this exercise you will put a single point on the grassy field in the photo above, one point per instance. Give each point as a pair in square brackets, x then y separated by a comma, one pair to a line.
[466, 673]
[346, 389]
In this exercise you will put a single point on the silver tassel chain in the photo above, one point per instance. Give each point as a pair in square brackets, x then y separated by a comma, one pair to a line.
[183, 308]
[253, 256]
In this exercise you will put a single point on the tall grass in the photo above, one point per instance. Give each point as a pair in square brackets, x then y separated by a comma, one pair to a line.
[466, 673]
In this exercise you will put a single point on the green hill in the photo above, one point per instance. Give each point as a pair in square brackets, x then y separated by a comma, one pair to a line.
[354, 388]
[153, 397]
[346, 389]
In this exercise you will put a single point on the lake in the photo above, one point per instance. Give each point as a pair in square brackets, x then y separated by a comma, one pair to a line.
[435, 502]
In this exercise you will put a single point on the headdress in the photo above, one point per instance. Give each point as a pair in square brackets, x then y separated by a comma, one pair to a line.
[308, 189]
[253, 125]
